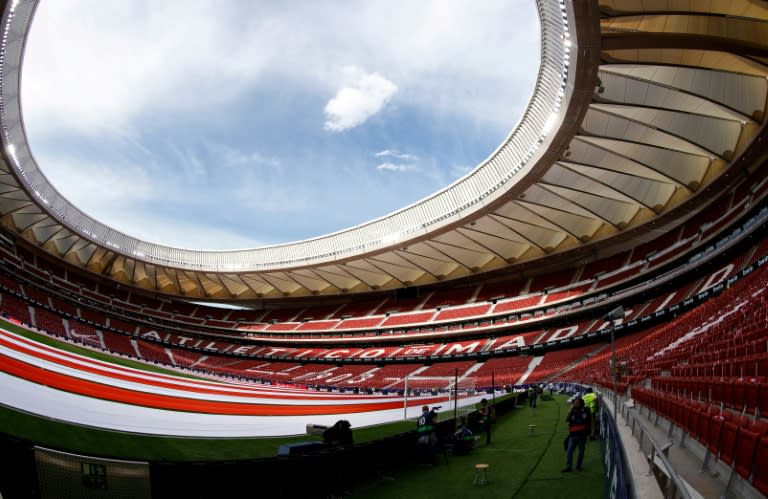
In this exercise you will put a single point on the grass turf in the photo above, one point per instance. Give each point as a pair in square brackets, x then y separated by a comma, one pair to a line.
[522, 465]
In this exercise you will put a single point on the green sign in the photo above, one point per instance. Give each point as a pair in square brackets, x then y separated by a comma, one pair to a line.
[94, 475]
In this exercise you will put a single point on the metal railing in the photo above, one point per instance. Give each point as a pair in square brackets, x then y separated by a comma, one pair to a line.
[657, 455]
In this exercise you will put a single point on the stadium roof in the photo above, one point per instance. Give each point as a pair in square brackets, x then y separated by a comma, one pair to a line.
[641, 113]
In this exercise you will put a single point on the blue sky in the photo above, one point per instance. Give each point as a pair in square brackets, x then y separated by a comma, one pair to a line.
[225, 125]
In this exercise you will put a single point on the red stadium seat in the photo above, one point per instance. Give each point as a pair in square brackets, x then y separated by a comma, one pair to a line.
[730, 434]
[728, 390]
[762, 401]
[746, 445]
[760, 427]
[744, 421]
[680, 413]
[739, 395]
[751, 395]
[693, 422]
[715, 433]
[760, 470]
[717, 391]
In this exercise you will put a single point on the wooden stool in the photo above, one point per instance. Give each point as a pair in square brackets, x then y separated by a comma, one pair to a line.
[531, 427]
[481, 474]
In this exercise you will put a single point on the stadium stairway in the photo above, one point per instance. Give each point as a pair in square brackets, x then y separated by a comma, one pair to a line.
[579, 361]
[411, 375]
[533, 365]
[467, 375]
[468, 372]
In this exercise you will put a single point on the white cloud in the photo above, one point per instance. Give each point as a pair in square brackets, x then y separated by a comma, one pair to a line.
[187, 233]
[127, 59]
[232, 157]
[272, 198]
[398, 161]
[188, 160]
[83, 183]
[133, 57]
[395, 154]
[394, 167]
[460, 170]
[353, 105]
[128, 205]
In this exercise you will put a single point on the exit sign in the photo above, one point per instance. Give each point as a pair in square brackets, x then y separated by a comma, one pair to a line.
[94, 475]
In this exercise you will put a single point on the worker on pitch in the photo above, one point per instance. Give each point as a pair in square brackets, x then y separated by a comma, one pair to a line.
[578, 420]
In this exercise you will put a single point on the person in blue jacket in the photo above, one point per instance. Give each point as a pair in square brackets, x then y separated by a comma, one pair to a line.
[578, 419]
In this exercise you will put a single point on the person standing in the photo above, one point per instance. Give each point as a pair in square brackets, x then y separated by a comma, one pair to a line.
[590, 402]
[532, 396]
[425, 432]
[578, 420]
[425, 426]
[485, 419]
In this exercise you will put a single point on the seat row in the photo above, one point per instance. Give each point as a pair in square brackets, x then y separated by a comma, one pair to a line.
[324, 319]
[740, 442]
[735, 393]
